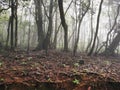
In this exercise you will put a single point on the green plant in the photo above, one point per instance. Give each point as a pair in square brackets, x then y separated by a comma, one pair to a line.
[23, 63]
[76, 64]
[49, 80]
[29, 58]
[64, 65]
[1, 63]
[1, 79]
[75, 71]
[76, 81]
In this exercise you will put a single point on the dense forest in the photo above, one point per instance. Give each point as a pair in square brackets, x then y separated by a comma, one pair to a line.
[88, 26]
[59, 44]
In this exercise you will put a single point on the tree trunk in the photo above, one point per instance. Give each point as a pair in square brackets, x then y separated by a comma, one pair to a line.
[112, 28]
[90, 41]
[111, 48]
[46, 42]
[16, 23]
[80, 21]
[56, 25]
[8, 32]
[63, 22]
[12, 25]
[97, 28]
[39, 22]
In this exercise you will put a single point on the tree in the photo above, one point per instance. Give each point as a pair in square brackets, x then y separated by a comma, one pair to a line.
[81, 16]
[16, 23]
[46, 42]
[62, 17]
[13, 24]
[39, 22]
[97, 28]
[59, 26]
[110, 49]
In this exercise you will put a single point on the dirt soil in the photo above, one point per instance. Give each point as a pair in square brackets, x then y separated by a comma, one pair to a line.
[57, 67]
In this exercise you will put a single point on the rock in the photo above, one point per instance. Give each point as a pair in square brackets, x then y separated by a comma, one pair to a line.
[81, 62]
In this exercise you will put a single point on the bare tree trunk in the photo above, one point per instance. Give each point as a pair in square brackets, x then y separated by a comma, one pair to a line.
[12, 25]
[114, 24]
[111, 48]
[63, 22]
[16, 23]
[39, 22]
[12, 21]
[90, 42]
[97, 28]
[8, 32]
[56, 24]
[29, 31]
[57, 30]
[80, 21]
[46, 42]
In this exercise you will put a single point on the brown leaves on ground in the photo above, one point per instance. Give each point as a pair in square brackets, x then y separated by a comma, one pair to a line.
[55, 67]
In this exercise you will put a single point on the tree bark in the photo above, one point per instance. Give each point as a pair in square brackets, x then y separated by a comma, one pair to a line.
[80, 21]
[12, 25]
[111, 49]
[97, 28]
[57, 30]
[63, 22]
[16, 23]
[46, 42]
[8, 32]
[91, 17]
[112, 28]
[39, 22]
[56, 25]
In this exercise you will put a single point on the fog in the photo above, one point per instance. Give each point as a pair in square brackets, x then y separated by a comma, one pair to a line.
[26, 23]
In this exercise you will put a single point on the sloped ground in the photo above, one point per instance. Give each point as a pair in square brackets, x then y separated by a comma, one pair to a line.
[58, 71]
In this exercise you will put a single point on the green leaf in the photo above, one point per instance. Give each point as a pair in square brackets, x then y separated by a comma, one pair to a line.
[49, 80]
[76, 81]
[29, 58]
[64, 65]
[1, 63]
[1, 79]
[76, 64]
[23, 63]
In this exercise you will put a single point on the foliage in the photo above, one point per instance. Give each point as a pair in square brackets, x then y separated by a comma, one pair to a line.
[76, 81]
[76, 64]
[1, 64]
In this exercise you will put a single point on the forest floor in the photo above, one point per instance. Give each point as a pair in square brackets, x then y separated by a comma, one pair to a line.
[57, 67]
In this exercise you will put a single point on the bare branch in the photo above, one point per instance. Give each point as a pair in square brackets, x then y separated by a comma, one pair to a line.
[4, 9]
